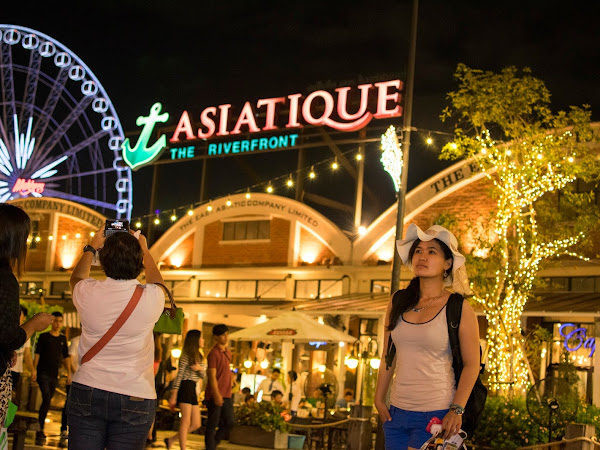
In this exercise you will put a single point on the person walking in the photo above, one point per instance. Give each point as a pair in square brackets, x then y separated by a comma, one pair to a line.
[268, 385]
[112, 400]
[191, 370]
[50, 352]
[15, 227]
[218, 390]
[417, 324]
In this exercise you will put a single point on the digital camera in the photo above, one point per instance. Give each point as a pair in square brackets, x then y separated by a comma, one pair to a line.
[116, 226]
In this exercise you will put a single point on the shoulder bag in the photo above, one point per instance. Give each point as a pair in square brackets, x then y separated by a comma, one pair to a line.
[171, 319]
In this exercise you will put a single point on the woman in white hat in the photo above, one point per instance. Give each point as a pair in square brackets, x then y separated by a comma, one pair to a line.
[424, 385]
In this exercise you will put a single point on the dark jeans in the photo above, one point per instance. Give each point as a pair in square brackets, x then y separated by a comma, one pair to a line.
[16, 376]
[218, 416]
[47, 385]
[64, 421]
[100, 419]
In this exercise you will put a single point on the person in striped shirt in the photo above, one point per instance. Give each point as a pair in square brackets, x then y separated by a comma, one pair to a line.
[191, 369]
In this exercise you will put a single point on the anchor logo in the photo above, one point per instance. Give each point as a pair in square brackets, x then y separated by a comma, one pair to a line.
[141, 154]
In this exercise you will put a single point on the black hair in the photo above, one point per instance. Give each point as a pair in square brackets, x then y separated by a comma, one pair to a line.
[121, 257]
[15, 226]
[24, 310]
[293, 375]
[276, 370]
[246, 391]
[57, 314]
[219, 330]
[191, 346]
[248, 397]
[409, 297]
[276, 392]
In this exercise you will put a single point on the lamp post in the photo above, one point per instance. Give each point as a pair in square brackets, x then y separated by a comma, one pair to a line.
[359, 357]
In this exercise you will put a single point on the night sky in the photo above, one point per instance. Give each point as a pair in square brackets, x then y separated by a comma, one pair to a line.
[193, 54]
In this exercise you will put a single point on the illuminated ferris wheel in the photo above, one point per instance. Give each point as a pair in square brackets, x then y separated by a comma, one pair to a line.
[60, 135]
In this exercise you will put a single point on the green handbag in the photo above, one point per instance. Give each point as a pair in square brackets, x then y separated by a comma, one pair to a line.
[171, 320]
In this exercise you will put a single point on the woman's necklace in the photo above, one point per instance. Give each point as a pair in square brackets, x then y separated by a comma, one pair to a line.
[429, 303]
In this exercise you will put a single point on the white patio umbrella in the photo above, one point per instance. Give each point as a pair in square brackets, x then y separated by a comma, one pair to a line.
[291, 326]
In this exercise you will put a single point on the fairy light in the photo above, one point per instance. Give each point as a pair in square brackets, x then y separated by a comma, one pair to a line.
[311, 174]
[37, 239]
[173, 217]
[334, 165]
[391, 156]
[50, 238]
[190, 212]
[138, 224]
[228, 202]
[290, 182]
[248, 194]
[92, 234]
[521, 173]
[269, 189]
[77, 235]
[359, 156]
[157, 221]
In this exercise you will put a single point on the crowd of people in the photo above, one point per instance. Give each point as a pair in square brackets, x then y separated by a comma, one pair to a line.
[115, 369]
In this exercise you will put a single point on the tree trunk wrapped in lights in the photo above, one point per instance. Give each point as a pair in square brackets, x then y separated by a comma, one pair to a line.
[529, 154]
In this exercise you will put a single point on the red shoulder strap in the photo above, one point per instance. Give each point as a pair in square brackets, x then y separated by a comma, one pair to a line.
[135, 298]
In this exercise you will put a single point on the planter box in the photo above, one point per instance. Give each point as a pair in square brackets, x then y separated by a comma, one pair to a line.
[257, 437]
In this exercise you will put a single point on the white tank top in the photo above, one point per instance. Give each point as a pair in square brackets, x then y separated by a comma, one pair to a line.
[424, 378]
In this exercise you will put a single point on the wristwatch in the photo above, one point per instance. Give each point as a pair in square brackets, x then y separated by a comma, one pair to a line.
[89, 248]
[458, 410]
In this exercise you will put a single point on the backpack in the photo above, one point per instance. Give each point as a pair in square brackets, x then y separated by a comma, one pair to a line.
[476, 401]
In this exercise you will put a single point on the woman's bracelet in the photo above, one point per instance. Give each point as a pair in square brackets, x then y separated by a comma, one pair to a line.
[458, 410]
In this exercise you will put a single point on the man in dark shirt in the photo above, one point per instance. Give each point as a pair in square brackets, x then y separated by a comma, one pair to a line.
[51, 350]
[218, 391]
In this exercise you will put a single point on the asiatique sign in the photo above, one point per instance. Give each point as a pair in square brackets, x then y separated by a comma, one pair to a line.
[319, 108]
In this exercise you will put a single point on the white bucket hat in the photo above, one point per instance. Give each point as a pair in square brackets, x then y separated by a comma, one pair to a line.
[458, 279]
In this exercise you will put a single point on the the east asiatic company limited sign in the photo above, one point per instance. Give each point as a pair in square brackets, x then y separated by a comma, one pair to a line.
[319, 108]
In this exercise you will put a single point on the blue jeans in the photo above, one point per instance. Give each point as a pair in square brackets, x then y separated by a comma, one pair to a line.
[100, 419]
[218, 416]
[408, 428]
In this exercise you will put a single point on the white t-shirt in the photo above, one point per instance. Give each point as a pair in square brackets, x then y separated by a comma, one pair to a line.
[296, 395]
[125, 364]
[18, 367]
[267, 386]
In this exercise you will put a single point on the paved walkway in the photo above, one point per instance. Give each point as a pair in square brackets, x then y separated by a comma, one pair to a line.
[52, 430]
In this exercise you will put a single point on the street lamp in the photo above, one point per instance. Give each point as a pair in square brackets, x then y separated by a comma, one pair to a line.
[359, 357]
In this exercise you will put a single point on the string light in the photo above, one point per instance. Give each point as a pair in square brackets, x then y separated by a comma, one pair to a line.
[138, 224]
[50, 238]
[334, 165]
[429, 140]
[173, 217]
[312, 175]
[536, 168]
[248, 194]
[359, 156]
[157, 221]
[64, 237]
[228, 202]
[290, 182]
[92, 234]
[190, 212]
[37, 239]
[209, 208]
[77, 235]
[270, 189]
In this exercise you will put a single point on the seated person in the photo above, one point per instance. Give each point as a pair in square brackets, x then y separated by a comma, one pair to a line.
[346, 401]
[277, 397]
[250, 400]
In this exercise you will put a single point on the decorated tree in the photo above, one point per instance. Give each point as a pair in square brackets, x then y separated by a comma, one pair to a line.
[531, 156]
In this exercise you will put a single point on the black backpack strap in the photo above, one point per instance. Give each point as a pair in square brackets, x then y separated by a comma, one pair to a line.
[453, 316]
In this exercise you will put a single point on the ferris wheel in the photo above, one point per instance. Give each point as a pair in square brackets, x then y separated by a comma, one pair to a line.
[60, 135]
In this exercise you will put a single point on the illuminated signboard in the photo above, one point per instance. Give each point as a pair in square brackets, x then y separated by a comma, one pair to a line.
[319, 108]
[577, 338]
[26, 187]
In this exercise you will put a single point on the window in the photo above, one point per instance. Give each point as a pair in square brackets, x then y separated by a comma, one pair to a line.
[247, 230]
[318, 288]
[179, 288]
[214, 289]
[241, 289]
[35, 232]
[380, 286]
[59, 287]
[582, 284]
[30, 288]
[271, 289]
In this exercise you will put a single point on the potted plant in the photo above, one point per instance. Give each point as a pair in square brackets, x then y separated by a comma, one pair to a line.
[260, 425]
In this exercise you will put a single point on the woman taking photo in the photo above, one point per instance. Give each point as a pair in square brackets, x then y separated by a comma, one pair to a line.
[112, 399]
[424, 385]
[191, 370]
[15, 226]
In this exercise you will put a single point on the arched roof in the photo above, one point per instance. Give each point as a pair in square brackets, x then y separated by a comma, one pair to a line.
[258, 204]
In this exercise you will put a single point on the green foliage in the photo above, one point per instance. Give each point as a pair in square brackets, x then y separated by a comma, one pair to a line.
[34, 307]
[538, 339]
[265, 415]
[506, 424]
